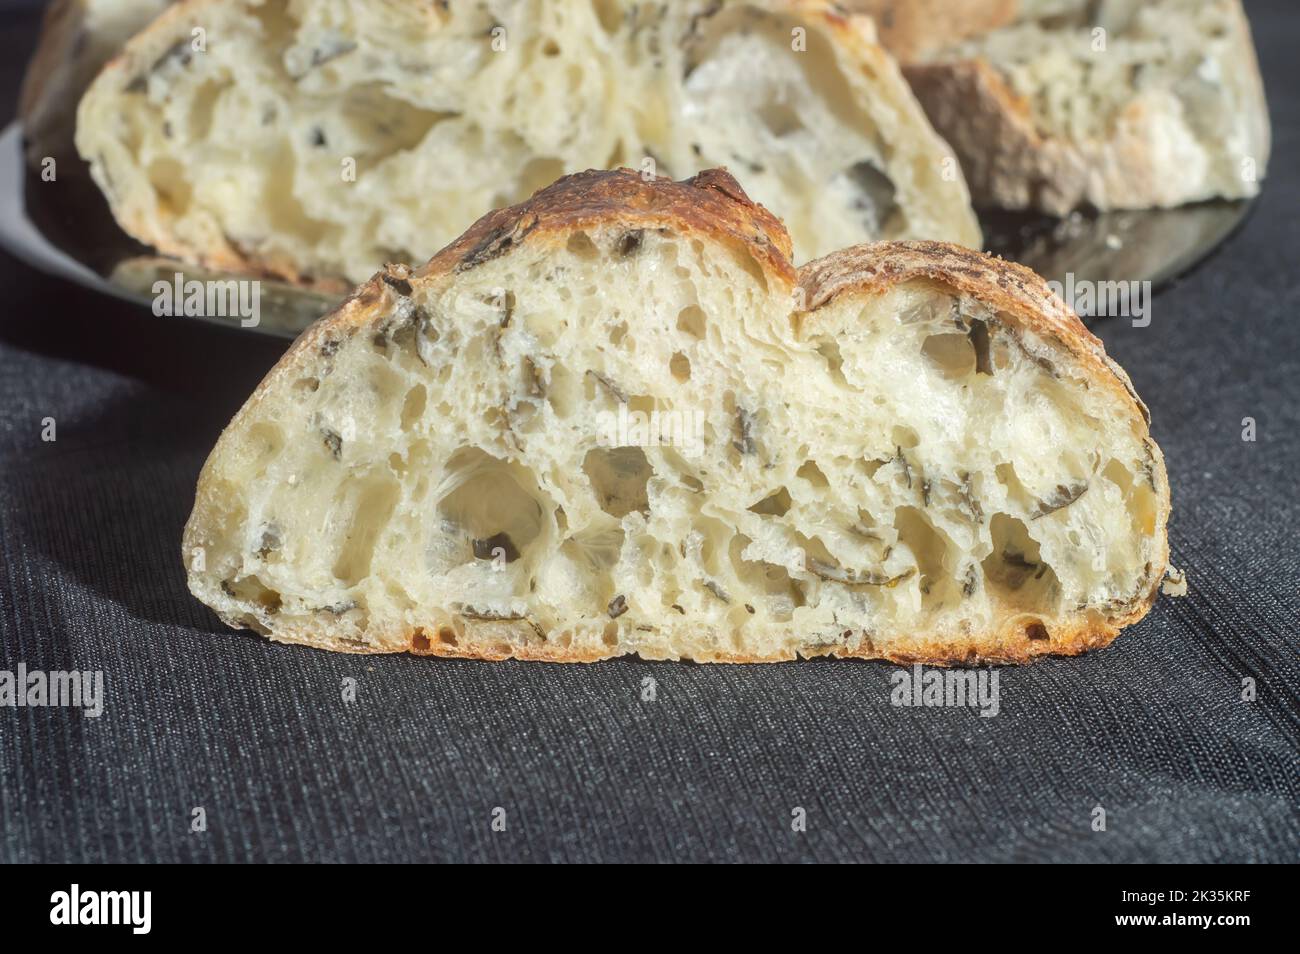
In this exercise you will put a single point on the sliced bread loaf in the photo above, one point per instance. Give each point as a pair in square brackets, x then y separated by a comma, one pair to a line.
[615, 419]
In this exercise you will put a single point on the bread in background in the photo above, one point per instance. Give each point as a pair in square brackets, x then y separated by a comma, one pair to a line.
[77, 38]
[1124, 104]
[237, 157]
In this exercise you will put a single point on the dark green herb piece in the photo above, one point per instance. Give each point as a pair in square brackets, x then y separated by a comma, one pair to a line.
[979, 339]
[610, 386]
[1062, 498]
[333, 442]
[837, 574]
[717, 591]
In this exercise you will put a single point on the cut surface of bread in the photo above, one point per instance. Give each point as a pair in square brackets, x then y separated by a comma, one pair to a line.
[1121, 104]
[615, 419]
[77, 38]
[318, 140]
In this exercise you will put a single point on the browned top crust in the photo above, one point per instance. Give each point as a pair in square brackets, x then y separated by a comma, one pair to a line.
[1007, 286]
[1003, 284]
[711, 202]
[910, 28]
[58, 19]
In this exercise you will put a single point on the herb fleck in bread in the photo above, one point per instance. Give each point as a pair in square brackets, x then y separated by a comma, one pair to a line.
[237, 156]
[1171, 110]
[905, 450]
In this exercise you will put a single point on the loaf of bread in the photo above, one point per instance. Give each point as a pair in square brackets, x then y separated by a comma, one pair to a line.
[318, 140]
[1115, 105]
[615, 419]
[77, 38]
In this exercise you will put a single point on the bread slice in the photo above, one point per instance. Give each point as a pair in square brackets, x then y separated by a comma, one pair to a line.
[615, 419]
[910, 29]
[77, 38]
[1164, 108]
[239, 156]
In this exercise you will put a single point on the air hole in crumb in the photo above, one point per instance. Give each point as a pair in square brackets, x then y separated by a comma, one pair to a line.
[306, 384]
[810, 472]
[830, 350]
[366, 502]
[618, 477]
[617, 332]
[869, 467]
[1036, 631]
[952, 355]
[680, 365]
[781, 119]
[419, 641]
[1015, 572]
[691, 320]
[447, 636]
[775, 504]
[610, 14]
[488, 500]
[581, 246]
[904, 437]
[413, 406]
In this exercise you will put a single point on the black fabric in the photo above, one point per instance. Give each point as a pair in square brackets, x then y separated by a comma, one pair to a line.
[1153, 729]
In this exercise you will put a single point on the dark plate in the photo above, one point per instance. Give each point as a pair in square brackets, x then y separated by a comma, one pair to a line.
[64, 228]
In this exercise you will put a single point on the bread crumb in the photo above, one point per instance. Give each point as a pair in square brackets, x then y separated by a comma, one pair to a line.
[1175, 582]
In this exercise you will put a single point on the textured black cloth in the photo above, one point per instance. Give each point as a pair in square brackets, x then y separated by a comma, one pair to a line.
[1153, 729]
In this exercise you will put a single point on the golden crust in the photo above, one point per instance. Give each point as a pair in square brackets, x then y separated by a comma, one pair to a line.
[712, 205]
[60, 18]
[911, 28]
[1010, 646]
[1006, 160]
[1007, 286]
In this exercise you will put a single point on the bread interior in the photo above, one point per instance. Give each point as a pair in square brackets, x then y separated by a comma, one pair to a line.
[631, 442]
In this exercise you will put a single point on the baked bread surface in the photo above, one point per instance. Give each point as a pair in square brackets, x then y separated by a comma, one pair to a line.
[317, 141]
[912, 28]
[77, 38]
[908, 451]
[1163, 107]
